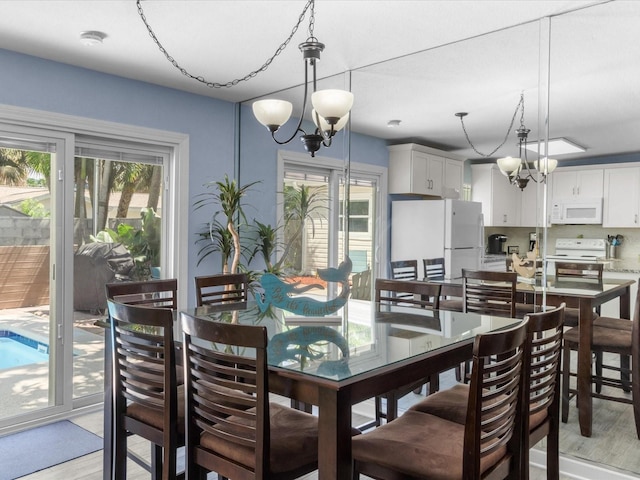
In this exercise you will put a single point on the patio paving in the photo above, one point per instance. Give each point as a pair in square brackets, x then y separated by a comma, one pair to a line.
[25, 388]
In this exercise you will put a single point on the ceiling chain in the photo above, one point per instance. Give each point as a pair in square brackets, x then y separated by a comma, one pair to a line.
[520, 105]
[265, 65]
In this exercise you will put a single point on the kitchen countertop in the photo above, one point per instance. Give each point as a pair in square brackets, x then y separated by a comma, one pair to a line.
[619, 265]
[622, 265]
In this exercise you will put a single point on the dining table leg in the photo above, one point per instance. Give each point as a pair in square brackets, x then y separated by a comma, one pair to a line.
[584, 367]
[334, 435]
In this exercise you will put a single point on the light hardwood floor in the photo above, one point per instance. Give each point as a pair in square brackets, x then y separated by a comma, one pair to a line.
[89, 467]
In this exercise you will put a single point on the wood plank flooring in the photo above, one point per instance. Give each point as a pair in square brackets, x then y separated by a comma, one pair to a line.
[89, 467]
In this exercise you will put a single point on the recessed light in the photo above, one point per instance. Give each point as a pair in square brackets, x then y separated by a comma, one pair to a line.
[92, 38]
[393, 123]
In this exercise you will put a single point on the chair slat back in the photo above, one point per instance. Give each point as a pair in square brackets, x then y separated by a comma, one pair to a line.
[433, 268]
[489, 293]
[404, 270]
[418, 293]
[144, 359]
[494, 412]
[221, 288]
[543, 359]
[151, 293]
[227, 393]
[569, 270]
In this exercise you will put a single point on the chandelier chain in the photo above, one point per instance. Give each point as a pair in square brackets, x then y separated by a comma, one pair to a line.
[249, 76]
[520, 106]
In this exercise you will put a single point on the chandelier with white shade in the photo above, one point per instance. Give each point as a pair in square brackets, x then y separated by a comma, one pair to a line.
[517, 169]
[331, 107]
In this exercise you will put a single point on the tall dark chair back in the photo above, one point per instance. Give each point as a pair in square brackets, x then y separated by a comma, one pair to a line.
[145, 392]
[486, 445]
[541, 392]
[416, 293]
[569, 270]
[229, 427]
[433, 268]
[489, 293]
[221, 288]
[404, 270]
[151, 293]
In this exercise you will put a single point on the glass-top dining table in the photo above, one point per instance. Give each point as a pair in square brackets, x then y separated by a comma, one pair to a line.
[337, 362]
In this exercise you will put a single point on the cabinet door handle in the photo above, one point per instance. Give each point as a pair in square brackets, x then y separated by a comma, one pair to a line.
[504, 218]
[635, 219]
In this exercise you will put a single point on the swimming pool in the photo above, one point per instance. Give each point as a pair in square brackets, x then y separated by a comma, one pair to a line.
[17, 350]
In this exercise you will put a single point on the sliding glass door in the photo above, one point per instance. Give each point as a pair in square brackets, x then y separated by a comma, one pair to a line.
[75, 214]
[117, 233]
[33, 340]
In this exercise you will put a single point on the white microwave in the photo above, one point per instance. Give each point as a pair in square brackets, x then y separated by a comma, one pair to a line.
[577, 211]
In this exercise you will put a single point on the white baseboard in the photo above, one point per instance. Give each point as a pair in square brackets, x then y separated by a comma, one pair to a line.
[578, 469]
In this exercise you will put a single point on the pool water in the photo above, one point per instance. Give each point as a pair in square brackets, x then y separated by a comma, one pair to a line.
[17, 350]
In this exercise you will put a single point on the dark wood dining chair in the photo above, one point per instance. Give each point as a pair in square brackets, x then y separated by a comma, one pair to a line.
[149, 293]
[568, 271]
[413, 293]
[572, 270]
[232, 428]
[540, 393]
[434, 270]
[404, 270]
[146, 399]
[221, 288]
[489, 293]
[152, 294]
[620, 337]
[486, 446]
[423, 295]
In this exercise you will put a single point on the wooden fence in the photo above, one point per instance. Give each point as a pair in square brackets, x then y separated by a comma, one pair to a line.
[24, 276]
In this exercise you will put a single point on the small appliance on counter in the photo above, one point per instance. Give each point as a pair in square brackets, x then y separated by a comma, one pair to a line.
[495, 244]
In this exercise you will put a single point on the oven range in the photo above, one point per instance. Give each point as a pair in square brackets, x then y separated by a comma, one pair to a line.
[579, 250]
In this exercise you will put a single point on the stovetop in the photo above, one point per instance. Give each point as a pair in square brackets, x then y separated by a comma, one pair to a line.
[579, 249]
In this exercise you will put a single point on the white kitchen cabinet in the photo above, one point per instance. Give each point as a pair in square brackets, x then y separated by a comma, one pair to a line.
[401, 342]
[416, 169]
[568, 183]
[500, 200]
[453, 173]
[621, 197]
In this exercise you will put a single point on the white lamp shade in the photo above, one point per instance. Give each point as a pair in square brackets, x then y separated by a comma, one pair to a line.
[509, 165]
[332, 104]
[324, 125]
[271, 112]
[547, 165]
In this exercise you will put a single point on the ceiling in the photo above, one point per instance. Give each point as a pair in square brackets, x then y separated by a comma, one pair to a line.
[474, 56]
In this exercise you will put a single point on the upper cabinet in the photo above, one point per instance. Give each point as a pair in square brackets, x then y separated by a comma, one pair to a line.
[568, 183]
[420, 170]
[504, 204]
[500, 200]
[621, 198]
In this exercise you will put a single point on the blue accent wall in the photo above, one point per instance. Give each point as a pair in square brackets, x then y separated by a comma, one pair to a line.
[35, 83]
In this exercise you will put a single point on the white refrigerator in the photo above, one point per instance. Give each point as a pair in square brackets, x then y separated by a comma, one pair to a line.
[452, 229]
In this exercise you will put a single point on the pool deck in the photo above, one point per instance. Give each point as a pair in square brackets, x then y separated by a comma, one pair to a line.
[26, 388]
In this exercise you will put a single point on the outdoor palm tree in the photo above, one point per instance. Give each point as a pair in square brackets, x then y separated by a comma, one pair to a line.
[14, 168]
